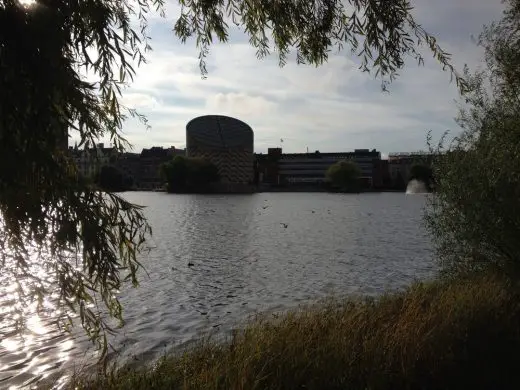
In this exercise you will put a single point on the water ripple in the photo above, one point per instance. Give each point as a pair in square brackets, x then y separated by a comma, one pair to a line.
[218, 259]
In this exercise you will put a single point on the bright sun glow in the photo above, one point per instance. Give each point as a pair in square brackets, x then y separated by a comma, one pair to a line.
[27, 3]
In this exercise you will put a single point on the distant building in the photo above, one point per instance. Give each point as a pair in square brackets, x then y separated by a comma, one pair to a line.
[130, 165]
[382, 178]
[150, 161]
[310, 168]
[142, 168]
[89, 161]
[399, 165]
[267, 167]
[226, 142]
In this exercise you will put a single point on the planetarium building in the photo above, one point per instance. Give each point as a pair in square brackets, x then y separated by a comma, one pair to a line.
[226, 142]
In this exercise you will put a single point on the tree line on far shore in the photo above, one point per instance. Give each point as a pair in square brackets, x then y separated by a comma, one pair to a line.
[189, 174]
[198, 175]
[181, 175]
[345, 176]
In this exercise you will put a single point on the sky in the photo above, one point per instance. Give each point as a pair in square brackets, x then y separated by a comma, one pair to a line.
[332, 108]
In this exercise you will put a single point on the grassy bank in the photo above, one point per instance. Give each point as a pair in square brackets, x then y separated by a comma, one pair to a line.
[463, 334]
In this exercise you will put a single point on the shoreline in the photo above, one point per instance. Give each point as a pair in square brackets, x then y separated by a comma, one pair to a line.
[273, 190]
[432, 335]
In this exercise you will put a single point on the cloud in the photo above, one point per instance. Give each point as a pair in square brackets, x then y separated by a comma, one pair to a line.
[139, 101]
[334, 107]
[240, 104]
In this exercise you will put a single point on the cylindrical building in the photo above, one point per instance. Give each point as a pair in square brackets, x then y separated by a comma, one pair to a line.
[226, 142]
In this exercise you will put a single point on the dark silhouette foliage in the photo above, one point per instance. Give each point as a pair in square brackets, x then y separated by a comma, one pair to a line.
[344, 176]
[185, 174]
[112, 179]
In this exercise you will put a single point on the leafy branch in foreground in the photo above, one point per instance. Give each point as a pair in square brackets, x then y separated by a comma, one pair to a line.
[53, 221]
[58, 233]
[381, 33]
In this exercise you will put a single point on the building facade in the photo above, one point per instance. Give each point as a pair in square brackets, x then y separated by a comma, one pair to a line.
[89, 161]
[144, 168]
[400, 164]
[150, 165]
[130, 165]
[226, 142]
[277, 168]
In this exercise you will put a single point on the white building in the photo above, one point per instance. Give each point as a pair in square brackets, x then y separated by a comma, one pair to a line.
[89, 161]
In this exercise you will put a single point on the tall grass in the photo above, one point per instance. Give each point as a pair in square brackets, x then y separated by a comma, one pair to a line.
[445, 334]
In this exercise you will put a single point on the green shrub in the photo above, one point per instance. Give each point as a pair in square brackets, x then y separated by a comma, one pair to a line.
[112, 179]
[474, 217]
[344, 175]
[189, 174]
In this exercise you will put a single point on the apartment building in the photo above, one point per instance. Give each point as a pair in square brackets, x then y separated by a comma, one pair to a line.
[89, 161]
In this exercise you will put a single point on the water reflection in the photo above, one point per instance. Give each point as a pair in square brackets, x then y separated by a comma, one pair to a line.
[31, 344]
[217, 259]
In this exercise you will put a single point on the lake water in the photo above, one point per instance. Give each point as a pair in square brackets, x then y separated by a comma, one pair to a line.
[217, 259]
